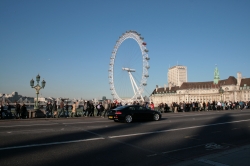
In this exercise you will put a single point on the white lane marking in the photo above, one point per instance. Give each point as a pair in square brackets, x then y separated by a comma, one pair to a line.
[52, 143]
[134, 146]
[186, 115]
[52, 124]
[29, 125]
[239, 115]
[211, 162]
[205, 113]
[185, 128]
[209, 113]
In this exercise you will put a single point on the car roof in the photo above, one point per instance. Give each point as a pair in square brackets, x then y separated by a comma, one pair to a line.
[125, 106]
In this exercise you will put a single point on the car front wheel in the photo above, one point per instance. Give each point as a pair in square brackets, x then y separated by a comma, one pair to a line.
[156, 117]
[128, 118]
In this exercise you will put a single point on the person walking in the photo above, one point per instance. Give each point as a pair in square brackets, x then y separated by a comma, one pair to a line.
[101, 109]
[49, 110]
[241, 105]
[54, 110]
[88, 110]
[152, 106]
[98, 109]
[2, 111]
[106, 108]
[73, 110]
[175, 107]
[204, 106]
[62, 109]
[92, 109]
[9, 113]
[181, 107]
[113, 106]
[184, 106]
[18, 110]
[24, 111]
[85, 111]
[66, 110]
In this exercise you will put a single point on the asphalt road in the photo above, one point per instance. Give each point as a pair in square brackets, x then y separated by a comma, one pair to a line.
[99, 141]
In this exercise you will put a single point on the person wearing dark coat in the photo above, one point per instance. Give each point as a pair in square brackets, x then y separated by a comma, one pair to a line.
[24, 111]
[49, 110]
[92, 109]
[66, 110]
[101, 109]
[2, 111]
[18, 110]
[8, 112]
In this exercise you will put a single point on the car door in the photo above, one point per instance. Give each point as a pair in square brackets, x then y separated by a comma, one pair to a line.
[149, 114]
[134, 112]
[144, 113]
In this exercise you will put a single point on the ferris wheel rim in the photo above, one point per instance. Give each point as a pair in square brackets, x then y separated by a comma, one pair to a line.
[140, 41]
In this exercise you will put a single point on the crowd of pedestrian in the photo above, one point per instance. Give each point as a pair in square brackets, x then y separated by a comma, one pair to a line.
[100, 109]
[20, 111]
[203, 106]
[87, 110]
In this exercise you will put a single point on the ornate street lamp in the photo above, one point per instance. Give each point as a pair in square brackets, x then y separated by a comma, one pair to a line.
[37, 88]
[221, 91]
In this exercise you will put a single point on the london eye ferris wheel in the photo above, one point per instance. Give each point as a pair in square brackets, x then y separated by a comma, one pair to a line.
[128, 68]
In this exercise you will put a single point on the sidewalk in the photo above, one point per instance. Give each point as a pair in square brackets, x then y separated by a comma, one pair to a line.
[233, 157]
[40, 119]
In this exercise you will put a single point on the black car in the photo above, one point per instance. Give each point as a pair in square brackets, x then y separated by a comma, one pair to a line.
[129, 113]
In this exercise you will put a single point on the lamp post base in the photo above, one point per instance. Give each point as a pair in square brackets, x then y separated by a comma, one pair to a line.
[39, 113]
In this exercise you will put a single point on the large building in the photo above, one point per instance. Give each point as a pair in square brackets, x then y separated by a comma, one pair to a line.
[230, 89]
[14, 97]
[177, 75]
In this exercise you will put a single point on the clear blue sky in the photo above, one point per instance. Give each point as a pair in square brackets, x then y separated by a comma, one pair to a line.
[69, 42]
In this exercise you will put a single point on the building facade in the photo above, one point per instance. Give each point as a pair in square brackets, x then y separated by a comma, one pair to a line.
[230, 89]
[177, 75]
[14, 97]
